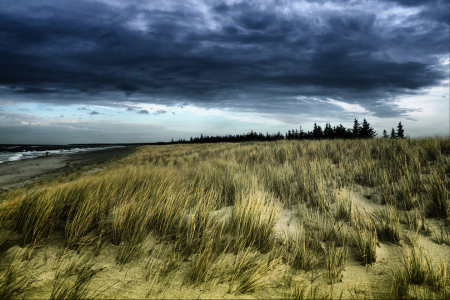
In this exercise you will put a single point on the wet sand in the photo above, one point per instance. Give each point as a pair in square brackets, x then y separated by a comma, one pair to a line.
[17, 174]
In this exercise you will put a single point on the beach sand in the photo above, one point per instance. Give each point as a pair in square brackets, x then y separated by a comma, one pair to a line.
[17, 174]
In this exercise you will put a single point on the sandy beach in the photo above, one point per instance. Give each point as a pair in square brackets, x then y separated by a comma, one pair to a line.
[17, 174]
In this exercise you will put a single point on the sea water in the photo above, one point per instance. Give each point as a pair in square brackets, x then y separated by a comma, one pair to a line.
[20, 152]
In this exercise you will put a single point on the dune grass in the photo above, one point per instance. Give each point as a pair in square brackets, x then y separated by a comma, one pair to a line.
[344, 208]
[442, 236]
[251, 270]
[365, 238]
[16, 277]
[335, 261]
[387, 224]
[303, 251]
[214, 211]
[418, 269]
[73, 282]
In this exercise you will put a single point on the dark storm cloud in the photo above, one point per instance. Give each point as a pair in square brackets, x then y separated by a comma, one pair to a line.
[94, 113]
[127, 87]
[34, 90]
[143, 112]
[241, 56]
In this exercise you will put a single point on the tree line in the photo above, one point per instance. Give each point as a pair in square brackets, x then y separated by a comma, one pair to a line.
[358, 131]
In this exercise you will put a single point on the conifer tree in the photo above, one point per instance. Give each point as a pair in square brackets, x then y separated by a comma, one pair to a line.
[393, 134]
[301, 134]
[366, 132]
[356, 128]
[328, 132]
[400, 131]
[317, 131]
[385, 135]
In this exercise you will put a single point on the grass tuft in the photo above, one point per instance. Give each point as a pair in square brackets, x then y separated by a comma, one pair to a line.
[417, 269]
[251, 271]
[344, 206]
[16, 278]
[302, 252]
[36, 217]
[73, 285]
[438, 194]
[298, 290]
[443, 237]
[387, 224]
[253, 220]
[365, 239]
[335, 262]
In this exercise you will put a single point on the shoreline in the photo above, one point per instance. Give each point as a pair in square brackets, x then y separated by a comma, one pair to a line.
[20, 173]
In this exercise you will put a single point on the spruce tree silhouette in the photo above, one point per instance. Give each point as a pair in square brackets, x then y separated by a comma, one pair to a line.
[363, 130]
[400, 131]
[328, 131]
[317, 132]
[356, 128]
[393, 134]
[366, 132]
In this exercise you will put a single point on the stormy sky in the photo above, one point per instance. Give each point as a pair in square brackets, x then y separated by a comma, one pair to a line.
[111, 71]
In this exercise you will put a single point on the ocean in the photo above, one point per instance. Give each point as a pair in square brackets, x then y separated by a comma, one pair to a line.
[20, 152]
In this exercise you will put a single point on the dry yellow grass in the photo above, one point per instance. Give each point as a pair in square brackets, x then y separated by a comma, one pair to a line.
[204, 221]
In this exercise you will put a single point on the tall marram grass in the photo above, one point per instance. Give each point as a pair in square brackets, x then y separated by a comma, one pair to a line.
[37, 215]
[251, 270]
[417, 268]
[5, 235]
[218, 206]
[387, 224]
[336, 258]
[437, 191]
[303, 251]
[253, 219]
[365, 238]
[74, 282]
[16, 277]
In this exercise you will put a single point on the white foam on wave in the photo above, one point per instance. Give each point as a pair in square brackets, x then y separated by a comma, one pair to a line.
[11, 156]
[14, 156]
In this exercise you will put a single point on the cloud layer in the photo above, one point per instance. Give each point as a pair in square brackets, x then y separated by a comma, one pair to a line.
[279, 57]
